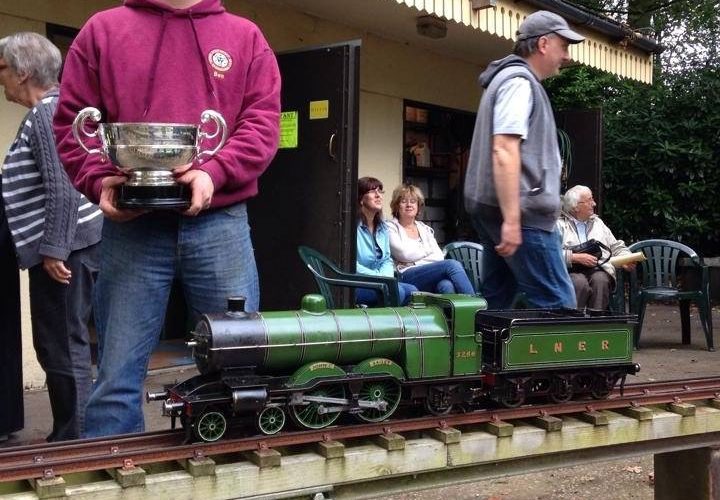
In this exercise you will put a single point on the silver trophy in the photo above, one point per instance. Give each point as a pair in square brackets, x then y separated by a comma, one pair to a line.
[148, 152]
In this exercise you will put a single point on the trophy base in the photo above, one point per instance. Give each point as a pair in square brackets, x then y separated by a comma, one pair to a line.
[154, 197]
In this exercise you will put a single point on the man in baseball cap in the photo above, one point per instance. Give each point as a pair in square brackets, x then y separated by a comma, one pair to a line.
[542, 23]
[512, 184]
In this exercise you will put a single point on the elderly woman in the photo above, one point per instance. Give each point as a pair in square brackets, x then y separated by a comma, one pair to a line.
[578, 224]
[55, 231]
[373, 244]
[416, 252]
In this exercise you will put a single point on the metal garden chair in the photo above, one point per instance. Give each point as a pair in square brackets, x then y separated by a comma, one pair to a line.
[657, 279]
[327, 275]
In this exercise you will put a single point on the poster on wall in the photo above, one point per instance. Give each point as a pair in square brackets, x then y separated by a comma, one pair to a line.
[288, 130]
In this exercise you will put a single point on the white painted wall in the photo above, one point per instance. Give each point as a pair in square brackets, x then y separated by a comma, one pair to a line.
[381, 138]
[390, 71]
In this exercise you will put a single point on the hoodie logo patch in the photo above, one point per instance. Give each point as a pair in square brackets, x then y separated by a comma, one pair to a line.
[220, 61]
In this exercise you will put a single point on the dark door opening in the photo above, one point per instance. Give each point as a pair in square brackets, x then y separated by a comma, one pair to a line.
[307, 195]
[436, 144]
[583, 158]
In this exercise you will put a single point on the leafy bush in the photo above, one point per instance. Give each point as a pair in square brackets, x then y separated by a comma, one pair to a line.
[661, 170]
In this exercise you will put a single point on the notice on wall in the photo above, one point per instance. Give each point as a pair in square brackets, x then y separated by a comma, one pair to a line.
[319, 110]
[288, 130]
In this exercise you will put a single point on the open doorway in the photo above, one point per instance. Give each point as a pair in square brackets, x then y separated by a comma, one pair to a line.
[436, 147]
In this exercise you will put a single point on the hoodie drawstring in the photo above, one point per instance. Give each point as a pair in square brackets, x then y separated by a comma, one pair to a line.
[208, 80]
[158, 46]
[151, 81]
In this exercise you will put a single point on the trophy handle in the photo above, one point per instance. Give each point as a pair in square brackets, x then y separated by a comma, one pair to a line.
[78, 127]
[221, 130]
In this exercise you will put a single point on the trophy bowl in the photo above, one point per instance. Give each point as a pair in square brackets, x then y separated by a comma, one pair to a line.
[147, 153]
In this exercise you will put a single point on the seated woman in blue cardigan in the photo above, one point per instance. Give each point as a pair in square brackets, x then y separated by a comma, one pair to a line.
[373, 244]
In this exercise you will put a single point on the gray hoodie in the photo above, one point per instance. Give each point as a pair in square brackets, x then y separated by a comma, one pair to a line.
[540, 154]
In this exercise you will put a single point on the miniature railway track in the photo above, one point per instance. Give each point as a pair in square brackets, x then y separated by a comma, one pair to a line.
[48, 460]
[49, 453]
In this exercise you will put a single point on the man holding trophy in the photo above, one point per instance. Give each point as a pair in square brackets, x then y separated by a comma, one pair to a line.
[189, 98]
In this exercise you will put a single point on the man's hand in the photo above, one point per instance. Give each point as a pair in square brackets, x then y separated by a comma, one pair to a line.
[510, 239]
[584, 259]
[108, 200]
[57, 270]
[179, 171]
[629, 267]
[202, 189]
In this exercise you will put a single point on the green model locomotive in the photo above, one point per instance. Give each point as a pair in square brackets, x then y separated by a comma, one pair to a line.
[440, 352]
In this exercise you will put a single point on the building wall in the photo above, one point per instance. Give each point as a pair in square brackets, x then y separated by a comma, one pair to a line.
[390, 71]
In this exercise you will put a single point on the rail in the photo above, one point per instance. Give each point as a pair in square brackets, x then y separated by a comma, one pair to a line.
[661, 402]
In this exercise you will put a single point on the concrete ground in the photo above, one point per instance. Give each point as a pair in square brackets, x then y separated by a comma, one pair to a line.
[661, 356]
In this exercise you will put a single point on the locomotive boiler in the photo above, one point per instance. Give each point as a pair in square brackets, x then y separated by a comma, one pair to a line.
[440, 352]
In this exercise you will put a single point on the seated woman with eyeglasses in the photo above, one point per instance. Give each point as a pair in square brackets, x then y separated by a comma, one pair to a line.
[373, 244]
[415, 250]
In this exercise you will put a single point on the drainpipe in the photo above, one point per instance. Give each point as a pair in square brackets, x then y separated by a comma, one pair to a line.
[582, 17]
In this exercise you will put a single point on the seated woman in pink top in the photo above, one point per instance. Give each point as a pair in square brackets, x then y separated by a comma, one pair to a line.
[415, 251]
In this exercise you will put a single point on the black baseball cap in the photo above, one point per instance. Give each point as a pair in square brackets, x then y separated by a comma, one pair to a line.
[542, 23]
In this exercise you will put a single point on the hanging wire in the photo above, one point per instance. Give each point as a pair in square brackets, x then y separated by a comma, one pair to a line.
[565, 157]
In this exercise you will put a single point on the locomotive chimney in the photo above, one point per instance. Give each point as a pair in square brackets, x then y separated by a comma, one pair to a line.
[236, 304]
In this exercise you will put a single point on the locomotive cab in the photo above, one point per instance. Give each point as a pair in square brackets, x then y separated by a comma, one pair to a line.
[459, 311]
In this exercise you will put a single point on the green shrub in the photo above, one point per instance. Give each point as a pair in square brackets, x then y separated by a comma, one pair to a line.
[661, 169]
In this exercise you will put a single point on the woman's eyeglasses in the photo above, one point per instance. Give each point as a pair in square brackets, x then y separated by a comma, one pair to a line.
[377, 190]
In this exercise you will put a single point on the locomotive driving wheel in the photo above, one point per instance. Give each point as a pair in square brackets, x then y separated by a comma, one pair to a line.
[387, 391]
[211, 426]
[271, 420]
[315, 414]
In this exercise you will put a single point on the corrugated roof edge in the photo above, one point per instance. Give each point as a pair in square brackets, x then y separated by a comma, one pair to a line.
[581, 16]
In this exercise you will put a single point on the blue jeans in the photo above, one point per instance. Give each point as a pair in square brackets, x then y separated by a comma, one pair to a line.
[212, 257]
[370, 297]
[443, 276]
[536, 269]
